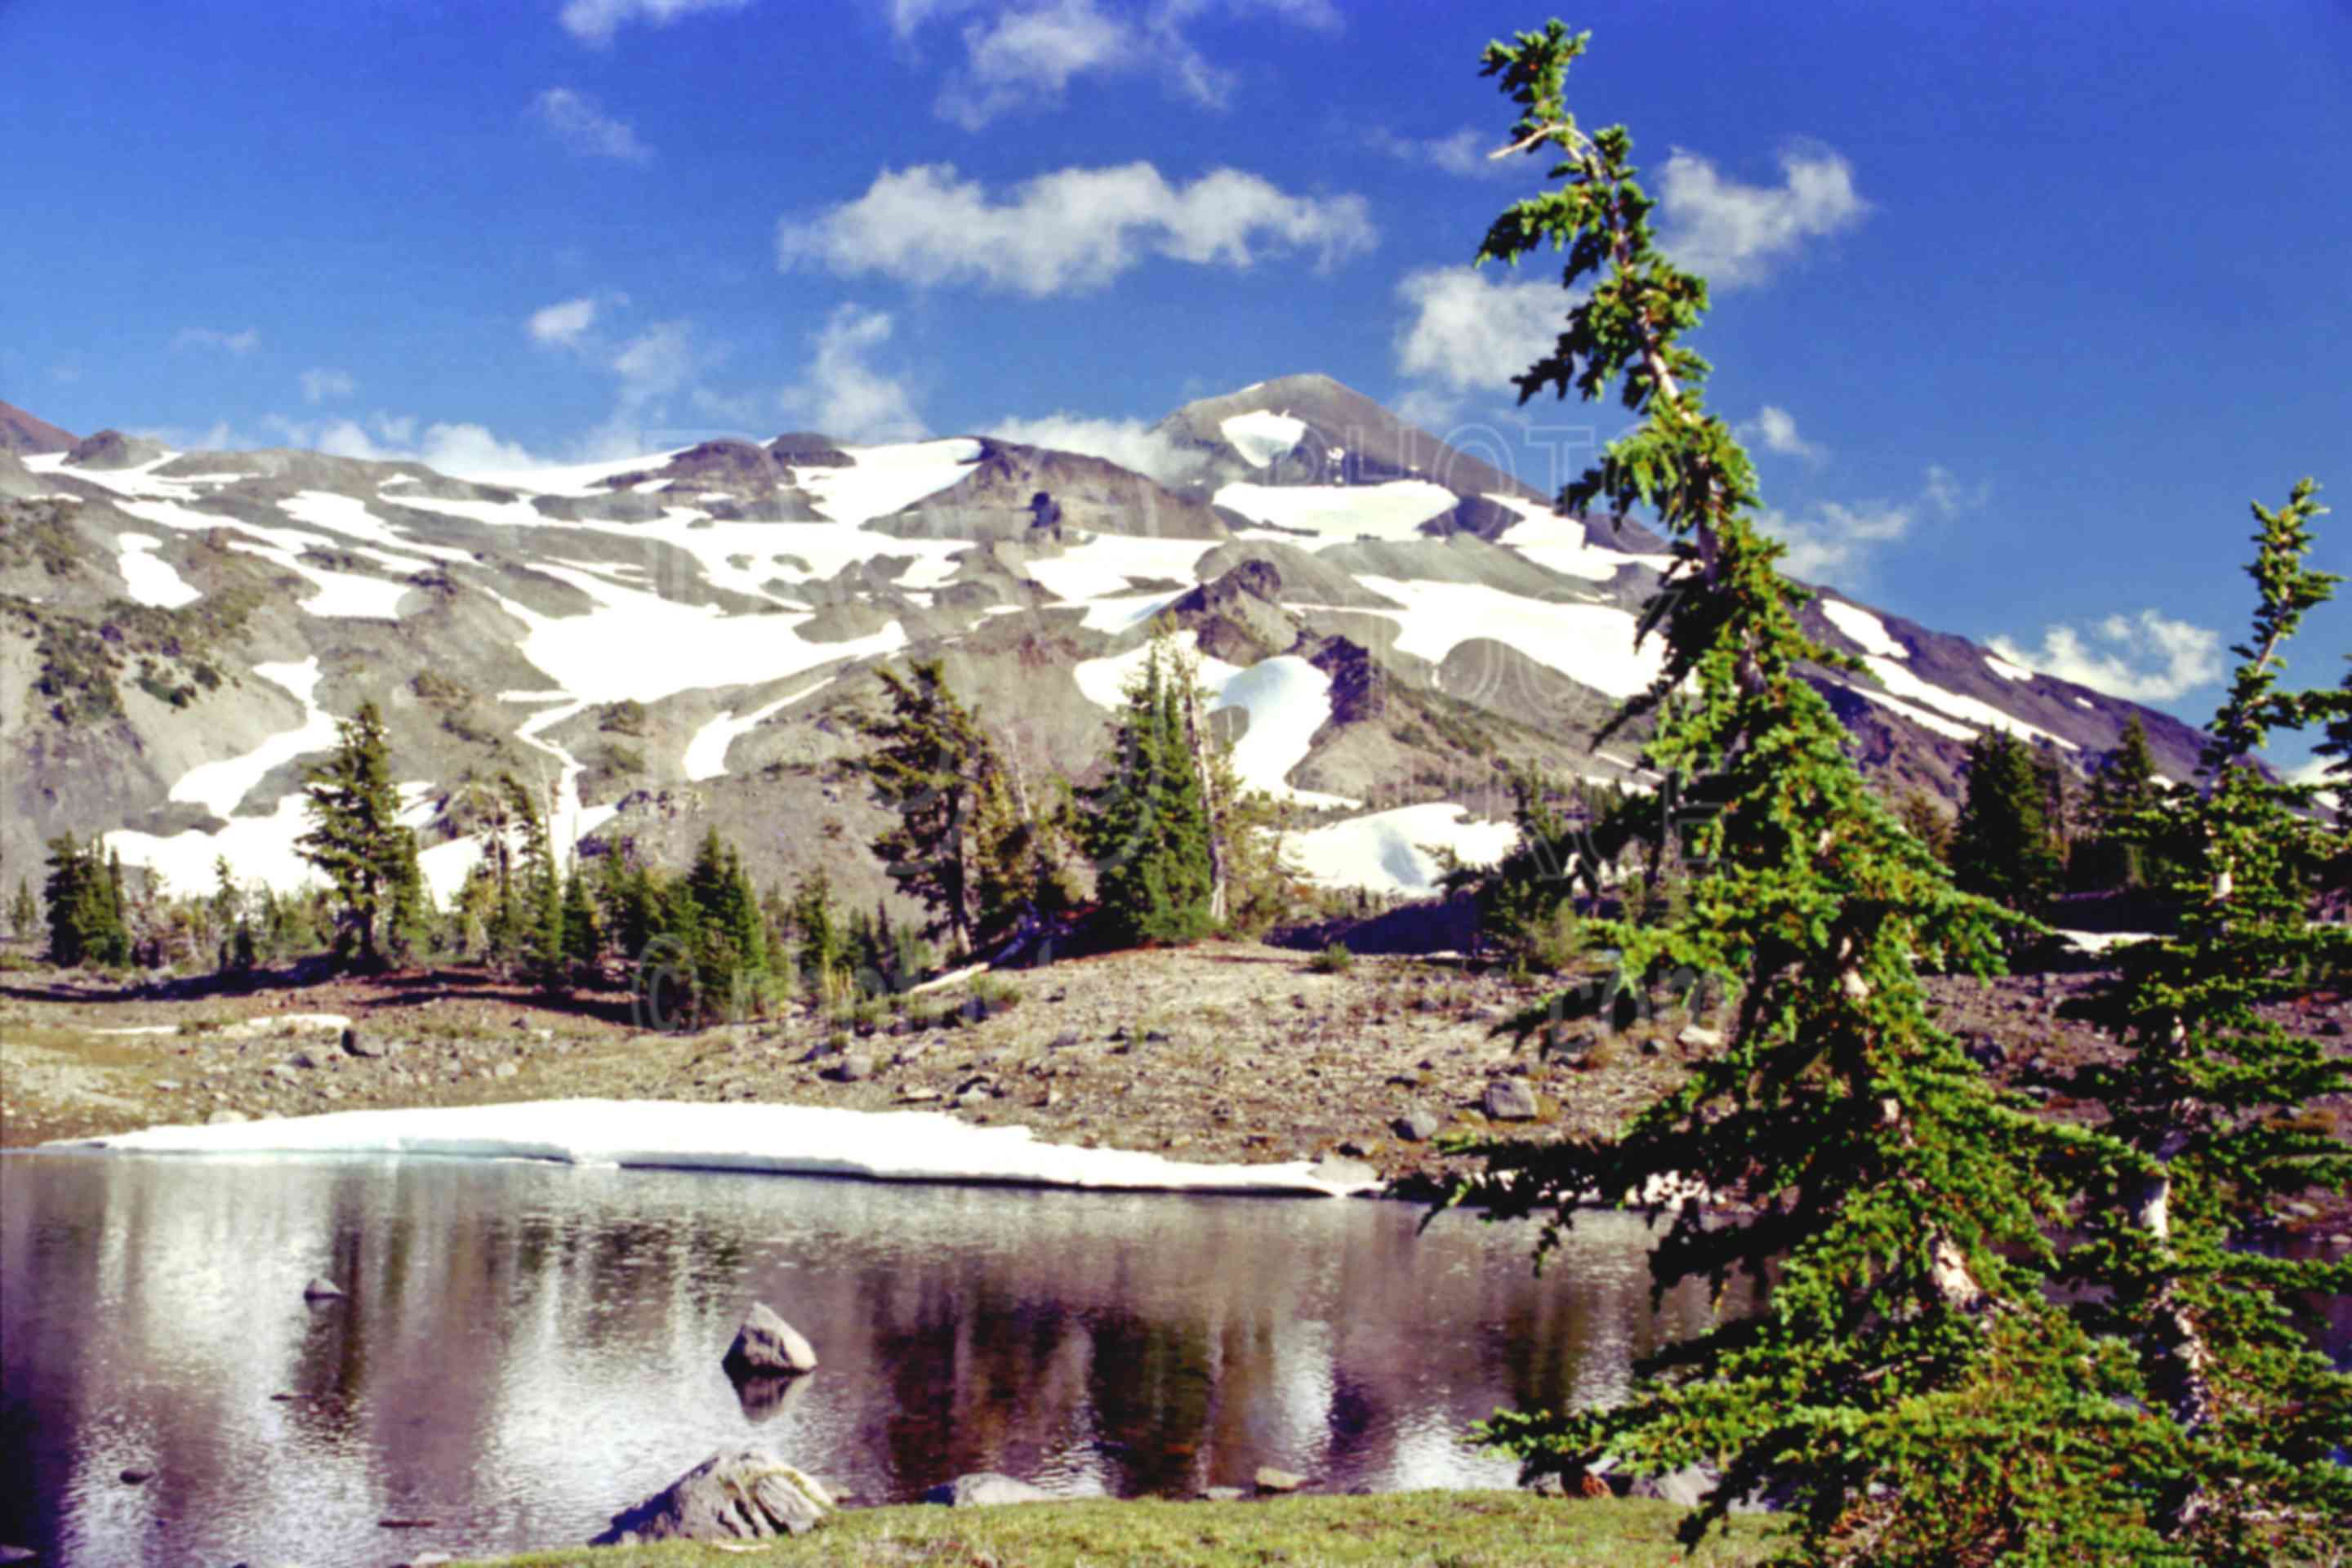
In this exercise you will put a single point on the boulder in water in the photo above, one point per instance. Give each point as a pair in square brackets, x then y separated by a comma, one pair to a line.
[985, 1489]
[766, 1345]
[322, 1289]
[740, 1494]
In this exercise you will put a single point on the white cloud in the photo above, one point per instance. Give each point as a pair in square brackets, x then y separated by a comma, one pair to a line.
[1734, 234]
[243, 342]
[2148, 658]
[1462, 151]
[318, 385]
[565, 324]
[1068, 231]
[1777, 429]
[1832, 542]
[594, 22]
[843, 395]
[579, 122]
[1129, 443]
[1474, 332]
[450, 447]
[1023, 56]
[1950, 497]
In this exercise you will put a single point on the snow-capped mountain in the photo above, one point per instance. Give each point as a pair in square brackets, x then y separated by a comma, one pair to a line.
[684, 639]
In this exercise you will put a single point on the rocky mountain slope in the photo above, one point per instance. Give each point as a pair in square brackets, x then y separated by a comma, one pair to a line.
[687, 639]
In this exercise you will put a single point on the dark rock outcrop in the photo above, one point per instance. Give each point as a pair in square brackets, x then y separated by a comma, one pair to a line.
[113, 449]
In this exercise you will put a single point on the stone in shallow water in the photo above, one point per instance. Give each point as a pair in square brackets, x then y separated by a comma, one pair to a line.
[320, 1289]
[767, 1345]
[984, 1489]
[1270, 1480]
[741, 1494]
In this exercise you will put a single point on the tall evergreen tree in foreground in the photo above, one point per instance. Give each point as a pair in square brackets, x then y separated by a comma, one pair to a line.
[930, 764]
[1148, 825]
[1908, 1385]
[2248, 1421]
[356, 837]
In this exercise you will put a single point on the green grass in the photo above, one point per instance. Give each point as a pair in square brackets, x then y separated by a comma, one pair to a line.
[1428, 1529]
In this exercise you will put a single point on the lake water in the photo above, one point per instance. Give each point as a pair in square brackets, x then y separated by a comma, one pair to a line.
[526, 1348]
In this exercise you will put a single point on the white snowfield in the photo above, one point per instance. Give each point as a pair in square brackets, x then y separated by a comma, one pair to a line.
[1564, 546]
[1382, 851]
[219, 786]
[705, 754]
[1865, 629]
[2009, 671]
[1902, 684]
[1394, 510]
[1261, 437]
[153, 580]
[795, 1140]
[1592, 645]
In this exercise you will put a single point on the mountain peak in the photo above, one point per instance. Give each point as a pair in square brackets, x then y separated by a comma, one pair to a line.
[23, 432]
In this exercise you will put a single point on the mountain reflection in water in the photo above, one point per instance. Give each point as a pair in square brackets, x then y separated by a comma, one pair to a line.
[524, 1348]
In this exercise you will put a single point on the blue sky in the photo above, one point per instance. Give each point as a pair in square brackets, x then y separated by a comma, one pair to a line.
[2017, 305]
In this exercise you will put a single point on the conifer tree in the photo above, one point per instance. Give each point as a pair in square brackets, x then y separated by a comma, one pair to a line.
[1908, 1384]
[24, 914]
[817, 924]
[2000, 846]
[2248, 1422]
[85, 909]
[582, 941]
[1147, 826]
[355, 835]
[930, 764]
[533, 914]
[2121, 853]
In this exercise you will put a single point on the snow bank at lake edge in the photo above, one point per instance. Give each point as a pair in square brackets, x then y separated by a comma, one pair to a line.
[786, 1140]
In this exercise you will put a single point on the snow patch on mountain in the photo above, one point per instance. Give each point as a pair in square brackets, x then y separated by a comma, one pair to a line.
[637, 645]
[152, 579]
[2009, 671]
[884, 479]
[140, 480]
[1287, 701]
[705, 754]
[1864, 628]
[1592, 645]
[349, 516]
[219, 786]
[565, 479]
[1261, 437]
[1934, 723]
[259, 848]
[1565, 544]
[1967, 710]
[1394, 510]
[1382, 851]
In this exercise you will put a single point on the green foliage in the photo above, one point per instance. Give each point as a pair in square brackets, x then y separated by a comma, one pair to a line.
[24, 914]
[1334, 958]
[2247, 1422]
[930, 765]
[2001, 846]
[623, 718]
[355, 837]
[823, 940]
[84, 895]
[1902, 1380]
[1146, 824]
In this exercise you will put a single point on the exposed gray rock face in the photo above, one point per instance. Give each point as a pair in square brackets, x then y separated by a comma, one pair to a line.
[985, 1489]
[807, 449]
[1416, 1125]
[1685, 1488]
[740, 1494]
[358, 1045]
[766, 1344]
[1509, 1099]
[113, 449]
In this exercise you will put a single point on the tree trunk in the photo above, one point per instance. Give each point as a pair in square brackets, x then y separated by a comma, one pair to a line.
[1195, 733]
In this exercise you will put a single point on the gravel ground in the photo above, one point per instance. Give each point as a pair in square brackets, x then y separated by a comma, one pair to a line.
[1226, 1051]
